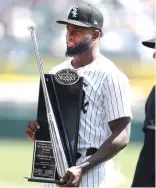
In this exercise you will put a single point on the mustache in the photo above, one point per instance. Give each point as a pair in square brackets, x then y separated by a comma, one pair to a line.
[68, 43]
[78, 49]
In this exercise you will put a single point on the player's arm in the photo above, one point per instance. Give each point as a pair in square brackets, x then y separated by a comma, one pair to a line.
[115, 143]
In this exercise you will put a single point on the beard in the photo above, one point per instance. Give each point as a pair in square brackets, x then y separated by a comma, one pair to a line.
[79, 49]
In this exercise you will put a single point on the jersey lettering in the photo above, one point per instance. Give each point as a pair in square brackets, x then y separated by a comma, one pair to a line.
[84, 104]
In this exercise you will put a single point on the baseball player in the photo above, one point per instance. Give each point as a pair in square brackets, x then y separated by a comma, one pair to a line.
[106, 109]
[145, 170]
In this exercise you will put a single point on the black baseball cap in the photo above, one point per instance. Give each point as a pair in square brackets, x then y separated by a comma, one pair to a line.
[150, 43]
[84, 15]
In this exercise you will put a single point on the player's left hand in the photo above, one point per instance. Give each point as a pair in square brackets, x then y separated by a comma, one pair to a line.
[72, 176]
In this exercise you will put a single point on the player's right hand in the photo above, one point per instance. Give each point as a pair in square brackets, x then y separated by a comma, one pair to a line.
[31, 129]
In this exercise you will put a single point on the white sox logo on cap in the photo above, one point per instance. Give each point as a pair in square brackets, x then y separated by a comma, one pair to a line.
[84, 15]
[74, 11]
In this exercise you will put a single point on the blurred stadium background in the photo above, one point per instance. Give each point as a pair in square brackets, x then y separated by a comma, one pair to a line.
[126, 24]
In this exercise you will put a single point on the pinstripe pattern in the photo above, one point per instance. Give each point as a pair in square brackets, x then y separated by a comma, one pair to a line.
[106, 91]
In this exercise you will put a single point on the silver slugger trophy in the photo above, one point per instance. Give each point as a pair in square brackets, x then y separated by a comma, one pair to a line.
[59, 104]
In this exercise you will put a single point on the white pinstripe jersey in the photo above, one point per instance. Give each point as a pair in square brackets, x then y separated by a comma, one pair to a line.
[106, 98]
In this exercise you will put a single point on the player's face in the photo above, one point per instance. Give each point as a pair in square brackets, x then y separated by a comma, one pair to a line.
[78, 39]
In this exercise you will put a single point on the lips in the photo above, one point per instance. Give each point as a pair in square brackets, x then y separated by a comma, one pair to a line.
[70, 44]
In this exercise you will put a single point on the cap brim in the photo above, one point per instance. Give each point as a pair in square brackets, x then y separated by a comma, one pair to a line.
[149, 43]
[73, 22]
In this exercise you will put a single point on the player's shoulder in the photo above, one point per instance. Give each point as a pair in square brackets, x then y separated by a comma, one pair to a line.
[117, 74]
[111, 70]
[63, 65]
[105, 65]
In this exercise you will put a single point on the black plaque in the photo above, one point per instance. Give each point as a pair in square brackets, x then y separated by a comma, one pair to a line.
[43, 161]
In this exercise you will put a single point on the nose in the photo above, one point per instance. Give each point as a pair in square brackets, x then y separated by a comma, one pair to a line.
[154, 55]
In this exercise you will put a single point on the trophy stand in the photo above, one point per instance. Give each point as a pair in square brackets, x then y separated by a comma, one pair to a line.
[66, 101]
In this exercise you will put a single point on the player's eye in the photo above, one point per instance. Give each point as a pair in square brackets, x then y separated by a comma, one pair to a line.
[74, 32]
[77, 32]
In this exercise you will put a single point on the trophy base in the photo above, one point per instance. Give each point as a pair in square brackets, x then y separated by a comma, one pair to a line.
[44, 180]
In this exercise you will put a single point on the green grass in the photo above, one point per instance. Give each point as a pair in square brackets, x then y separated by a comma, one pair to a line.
[16, 161]
[15, 164]
[126, 162]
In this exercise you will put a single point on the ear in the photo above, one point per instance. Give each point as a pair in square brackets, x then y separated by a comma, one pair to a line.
[96, 34]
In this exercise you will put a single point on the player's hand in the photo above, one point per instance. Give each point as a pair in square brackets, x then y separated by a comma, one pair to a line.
[31, 129]
[72, 177]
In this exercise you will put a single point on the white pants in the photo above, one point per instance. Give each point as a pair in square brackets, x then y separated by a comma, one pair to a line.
[98, 177]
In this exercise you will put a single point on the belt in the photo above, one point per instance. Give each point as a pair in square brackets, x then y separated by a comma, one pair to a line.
[90, 151]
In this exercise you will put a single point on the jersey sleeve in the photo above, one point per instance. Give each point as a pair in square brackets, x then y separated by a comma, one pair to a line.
[117, 96]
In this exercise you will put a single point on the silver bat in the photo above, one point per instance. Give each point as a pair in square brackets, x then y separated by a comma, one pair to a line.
[59, 154]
